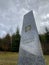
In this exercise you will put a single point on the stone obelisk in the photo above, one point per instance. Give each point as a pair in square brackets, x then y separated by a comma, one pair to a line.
[30, 51]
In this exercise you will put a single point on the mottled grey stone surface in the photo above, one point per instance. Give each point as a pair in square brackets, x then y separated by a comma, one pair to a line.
[30, 52]
[27, 58]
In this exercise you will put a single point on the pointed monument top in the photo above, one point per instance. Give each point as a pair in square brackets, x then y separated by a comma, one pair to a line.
[29, 13]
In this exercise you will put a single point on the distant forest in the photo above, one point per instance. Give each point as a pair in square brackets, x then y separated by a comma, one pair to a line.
[12, 43]
[44, 39]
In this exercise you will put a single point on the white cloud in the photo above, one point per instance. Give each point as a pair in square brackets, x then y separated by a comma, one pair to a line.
[46, 24]
[45, 17]
[12, 12]
[2, 33]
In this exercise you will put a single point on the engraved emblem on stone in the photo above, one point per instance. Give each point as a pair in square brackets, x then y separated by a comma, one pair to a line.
[27, 28]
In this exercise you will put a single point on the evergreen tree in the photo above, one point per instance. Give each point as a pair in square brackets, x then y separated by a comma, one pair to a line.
[16, 41]
[6, 42]
[47, 35]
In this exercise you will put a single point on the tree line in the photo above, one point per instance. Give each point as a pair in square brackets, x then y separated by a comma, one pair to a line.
[10, 43]
[44, 39]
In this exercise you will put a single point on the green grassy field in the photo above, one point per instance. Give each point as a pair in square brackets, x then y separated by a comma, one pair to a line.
[10, 58]
[47, 59]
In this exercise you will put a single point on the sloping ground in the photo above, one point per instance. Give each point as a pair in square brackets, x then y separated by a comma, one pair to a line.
[11, 58]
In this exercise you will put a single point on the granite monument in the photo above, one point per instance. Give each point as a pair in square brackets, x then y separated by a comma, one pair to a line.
[30, 51]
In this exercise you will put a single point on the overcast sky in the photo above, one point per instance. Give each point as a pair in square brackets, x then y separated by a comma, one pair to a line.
[12, 12]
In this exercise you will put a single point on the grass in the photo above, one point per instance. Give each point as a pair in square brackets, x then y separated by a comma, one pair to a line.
[8, 58]
[47, 59]
[11, 58]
